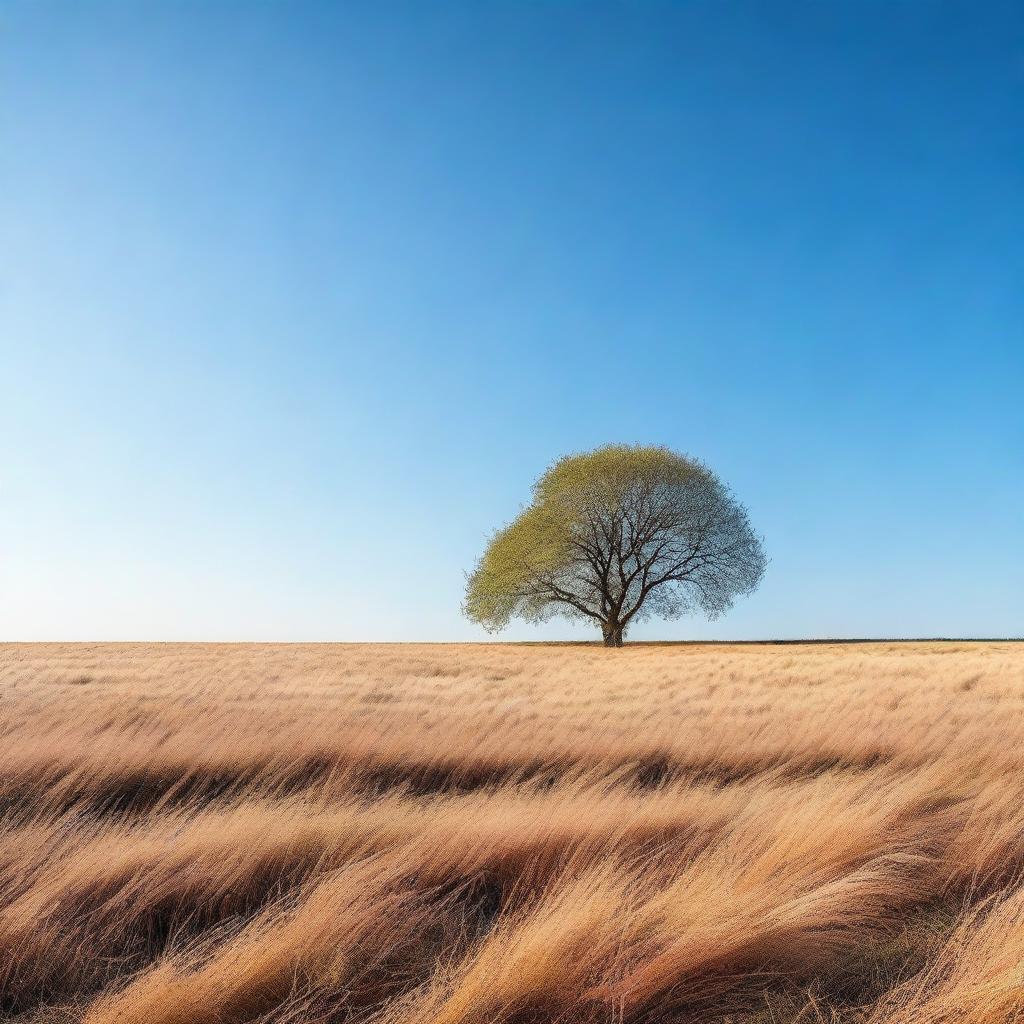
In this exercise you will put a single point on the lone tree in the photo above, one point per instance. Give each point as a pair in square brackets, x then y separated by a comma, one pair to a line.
[617, 535]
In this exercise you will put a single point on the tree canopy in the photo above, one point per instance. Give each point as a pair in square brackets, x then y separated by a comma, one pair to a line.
[617, 535]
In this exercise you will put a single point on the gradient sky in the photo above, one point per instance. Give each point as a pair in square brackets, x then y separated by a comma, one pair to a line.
[297, 299]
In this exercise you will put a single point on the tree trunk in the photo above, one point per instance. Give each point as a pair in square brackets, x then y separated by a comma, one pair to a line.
[611, 632]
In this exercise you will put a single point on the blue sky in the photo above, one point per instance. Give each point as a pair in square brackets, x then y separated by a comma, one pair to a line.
[296, 300]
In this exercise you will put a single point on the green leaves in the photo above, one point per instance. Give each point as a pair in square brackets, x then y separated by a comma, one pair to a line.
[508, 580]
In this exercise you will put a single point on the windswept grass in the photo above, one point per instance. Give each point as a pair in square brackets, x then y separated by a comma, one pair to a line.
[500, 834]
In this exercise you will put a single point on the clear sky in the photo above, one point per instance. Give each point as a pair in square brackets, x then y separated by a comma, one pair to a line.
[297, 299]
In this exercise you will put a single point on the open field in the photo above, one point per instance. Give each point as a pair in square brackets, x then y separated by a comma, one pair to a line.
[210, 834]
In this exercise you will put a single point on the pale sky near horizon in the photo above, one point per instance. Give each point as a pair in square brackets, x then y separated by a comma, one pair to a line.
[297, 299]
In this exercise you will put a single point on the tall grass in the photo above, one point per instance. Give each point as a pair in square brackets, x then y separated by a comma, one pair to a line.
[217, 834]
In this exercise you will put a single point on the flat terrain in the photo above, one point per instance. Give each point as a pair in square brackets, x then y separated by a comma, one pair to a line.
[417, 834]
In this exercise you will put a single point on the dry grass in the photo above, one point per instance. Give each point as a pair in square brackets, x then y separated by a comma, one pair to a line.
[212, 834]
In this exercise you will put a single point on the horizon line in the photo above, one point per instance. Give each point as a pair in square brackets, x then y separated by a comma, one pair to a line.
[777, 641]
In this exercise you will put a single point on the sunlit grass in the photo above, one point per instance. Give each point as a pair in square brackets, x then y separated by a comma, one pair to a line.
[505, 833]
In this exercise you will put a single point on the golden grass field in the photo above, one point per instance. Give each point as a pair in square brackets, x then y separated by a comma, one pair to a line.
[468, 834]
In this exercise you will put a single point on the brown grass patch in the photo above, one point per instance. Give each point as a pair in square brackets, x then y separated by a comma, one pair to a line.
[503, 834]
